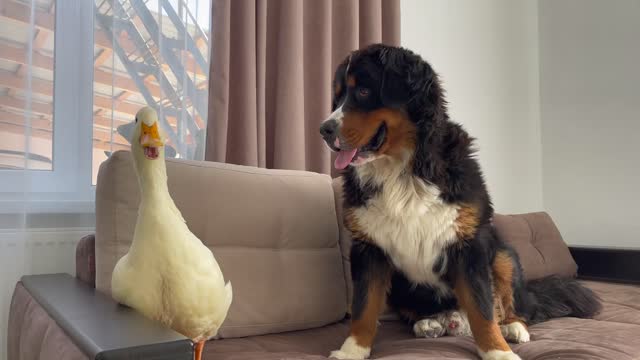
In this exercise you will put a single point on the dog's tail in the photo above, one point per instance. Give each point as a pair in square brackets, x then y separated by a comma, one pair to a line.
[554, 296]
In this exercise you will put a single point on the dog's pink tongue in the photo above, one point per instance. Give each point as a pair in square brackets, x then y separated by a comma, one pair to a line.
[344, 157]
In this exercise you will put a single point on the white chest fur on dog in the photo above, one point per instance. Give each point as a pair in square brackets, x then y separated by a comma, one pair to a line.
[408, 220]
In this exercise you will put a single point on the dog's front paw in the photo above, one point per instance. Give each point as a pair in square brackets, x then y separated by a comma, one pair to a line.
[351, 350]
[339, 354]
[429, 328]
[515, 332]
[499, 355]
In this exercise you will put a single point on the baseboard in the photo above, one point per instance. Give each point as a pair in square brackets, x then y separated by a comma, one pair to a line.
[606, 264]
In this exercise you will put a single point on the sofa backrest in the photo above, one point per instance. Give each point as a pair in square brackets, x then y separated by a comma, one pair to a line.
[538, 242]
[273, 232]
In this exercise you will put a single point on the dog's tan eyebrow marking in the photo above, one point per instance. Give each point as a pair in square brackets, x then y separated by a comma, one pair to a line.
[351, 81]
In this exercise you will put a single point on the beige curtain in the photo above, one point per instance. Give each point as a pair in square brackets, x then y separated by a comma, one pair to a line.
[272, 62]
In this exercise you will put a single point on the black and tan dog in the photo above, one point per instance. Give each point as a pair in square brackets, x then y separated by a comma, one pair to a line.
[419, 212]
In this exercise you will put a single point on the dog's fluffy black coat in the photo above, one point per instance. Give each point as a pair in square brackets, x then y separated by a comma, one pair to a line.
[442, 156]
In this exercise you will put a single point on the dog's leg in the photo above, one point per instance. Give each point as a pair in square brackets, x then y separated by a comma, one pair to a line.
[513, 327]
[475, 296]
[431, 327]
[371, 273]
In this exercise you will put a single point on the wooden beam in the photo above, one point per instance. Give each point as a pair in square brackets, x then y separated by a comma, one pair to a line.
[105, 121]
[19, 56]
[44, 87]
[46, 21]
[36, 107]
[22, 70]
[203, 85]
[122, 97]
[122, 106]
[18, 119]
[103, 56]
[22, 13]
[40, 123]
[124, 82]
[41, 126]
[40, 38]
[46, 134]
[105, 135]
[14, 81]
[201, 42]
[200, 122]
[98, 134]
[45, 122]
[20, 130]
[43, 20]
[105, 145]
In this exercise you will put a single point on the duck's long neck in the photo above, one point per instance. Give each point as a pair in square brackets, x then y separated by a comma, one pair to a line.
[152, 180]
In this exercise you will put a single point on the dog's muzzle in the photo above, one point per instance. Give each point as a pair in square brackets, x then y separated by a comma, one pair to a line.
[329, 132]
[330, 128]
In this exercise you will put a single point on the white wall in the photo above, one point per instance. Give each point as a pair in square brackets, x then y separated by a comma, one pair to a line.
[486, 53]
[590, 111]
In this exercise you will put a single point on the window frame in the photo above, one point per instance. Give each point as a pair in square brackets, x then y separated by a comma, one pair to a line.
[67, 187]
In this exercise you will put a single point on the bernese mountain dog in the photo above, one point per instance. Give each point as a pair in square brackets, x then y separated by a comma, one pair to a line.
[419, 213]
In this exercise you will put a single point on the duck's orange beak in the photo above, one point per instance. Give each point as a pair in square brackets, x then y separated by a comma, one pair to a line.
[150, 140]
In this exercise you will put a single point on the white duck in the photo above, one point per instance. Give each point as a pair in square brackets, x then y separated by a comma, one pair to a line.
[168, 274]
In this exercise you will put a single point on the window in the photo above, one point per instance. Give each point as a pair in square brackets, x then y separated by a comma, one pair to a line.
[72, 76]
[41, 44]
[150, 52]
[20, 109]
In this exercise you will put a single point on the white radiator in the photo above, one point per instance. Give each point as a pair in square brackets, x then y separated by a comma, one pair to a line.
[38, 251]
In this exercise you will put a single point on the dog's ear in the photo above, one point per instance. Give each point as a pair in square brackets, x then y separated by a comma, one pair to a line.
[404, 77]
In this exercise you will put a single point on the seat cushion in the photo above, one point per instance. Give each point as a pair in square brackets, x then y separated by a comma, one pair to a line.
[273, 232]
[611, 335]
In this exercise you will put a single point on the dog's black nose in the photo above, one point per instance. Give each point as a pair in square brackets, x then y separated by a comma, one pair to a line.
[328, 128]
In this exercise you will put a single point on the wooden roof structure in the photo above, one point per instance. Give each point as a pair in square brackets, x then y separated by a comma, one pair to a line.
[136, 62]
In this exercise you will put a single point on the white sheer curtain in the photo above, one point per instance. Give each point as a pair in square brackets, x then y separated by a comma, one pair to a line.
[45, 112]
[72, 76]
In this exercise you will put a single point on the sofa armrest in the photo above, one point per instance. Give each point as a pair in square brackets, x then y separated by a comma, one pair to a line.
[100, 327]
[607, 264]
[86, 260]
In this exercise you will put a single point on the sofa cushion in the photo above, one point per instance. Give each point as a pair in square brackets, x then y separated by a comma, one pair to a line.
[606, 337]
[538, 242]
[273, 232]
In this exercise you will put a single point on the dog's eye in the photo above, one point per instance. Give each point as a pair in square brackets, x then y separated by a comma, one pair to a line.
[363, 92]
[136, 119]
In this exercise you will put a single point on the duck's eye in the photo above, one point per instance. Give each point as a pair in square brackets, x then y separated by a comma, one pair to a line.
[363, 92]
[136, 119]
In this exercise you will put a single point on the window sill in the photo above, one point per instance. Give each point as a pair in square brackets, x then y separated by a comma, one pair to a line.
[47, 207]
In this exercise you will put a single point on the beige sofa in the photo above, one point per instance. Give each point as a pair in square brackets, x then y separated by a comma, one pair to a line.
[278, 238]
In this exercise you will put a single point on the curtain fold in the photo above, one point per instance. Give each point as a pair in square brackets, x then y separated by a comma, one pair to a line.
[272, 63]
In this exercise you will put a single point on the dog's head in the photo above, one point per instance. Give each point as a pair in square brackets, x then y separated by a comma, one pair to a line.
[385, 98]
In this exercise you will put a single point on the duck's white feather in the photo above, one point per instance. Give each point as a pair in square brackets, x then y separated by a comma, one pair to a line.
[168, 274]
